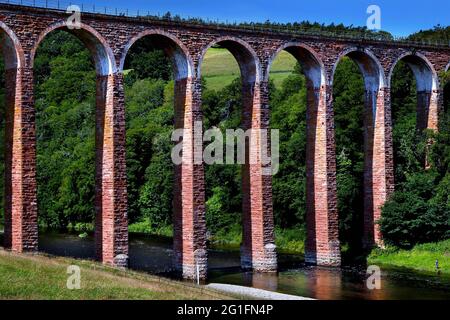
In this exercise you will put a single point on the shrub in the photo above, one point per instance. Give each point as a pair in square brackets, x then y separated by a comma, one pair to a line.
[416, 213]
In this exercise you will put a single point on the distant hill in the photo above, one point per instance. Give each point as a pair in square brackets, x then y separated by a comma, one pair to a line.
[220, 68]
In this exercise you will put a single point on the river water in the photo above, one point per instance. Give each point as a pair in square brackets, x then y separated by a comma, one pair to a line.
[154, 255]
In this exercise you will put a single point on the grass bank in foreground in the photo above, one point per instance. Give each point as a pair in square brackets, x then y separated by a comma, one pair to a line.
[421, 258]
[42, 277]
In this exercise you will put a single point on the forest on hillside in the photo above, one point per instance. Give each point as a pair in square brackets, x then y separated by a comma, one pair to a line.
[419, 210]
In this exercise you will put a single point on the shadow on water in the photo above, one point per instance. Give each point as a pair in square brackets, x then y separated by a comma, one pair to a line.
[154, 255]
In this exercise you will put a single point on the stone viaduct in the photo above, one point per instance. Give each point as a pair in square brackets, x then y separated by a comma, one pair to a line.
[110, 37]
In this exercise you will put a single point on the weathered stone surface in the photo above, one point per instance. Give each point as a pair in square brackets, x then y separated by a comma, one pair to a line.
[109, 38]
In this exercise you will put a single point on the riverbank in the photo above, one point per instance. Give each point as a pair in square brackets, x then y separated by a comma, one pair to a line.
[420, 258]
[288, 241]
[42, 277]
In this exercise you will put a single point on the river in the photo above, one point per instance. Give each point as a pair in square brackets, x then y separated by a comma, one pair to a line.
[154, 255]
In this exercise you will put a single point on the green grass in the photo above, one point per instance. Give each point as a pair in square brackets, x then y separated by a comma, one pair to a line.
[287, 240]
[290, 241]
[145, 226]
[421, 258]
[41, 277]
[220, 68]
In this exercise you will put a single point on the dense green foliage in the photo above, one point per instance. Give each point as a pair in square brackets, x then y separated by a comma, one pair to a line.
[348, 105]
[65, 126]
[419, 211]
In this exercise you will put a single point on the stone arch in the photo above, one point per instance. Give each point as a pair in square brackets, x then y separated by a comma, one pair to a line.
[369, 65]
[244, 54]
[421, 66]
[190, 256]
[322, 241]
[427, 88]
[111, 240]
[424, 72]
[311, 63]
[105, 63]
[11, 47]
[377, 145]
[172, 46]
[258, 248]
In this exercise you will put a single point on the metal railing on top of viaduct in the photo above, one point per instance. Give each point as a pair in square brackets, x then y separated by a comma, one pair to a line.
[256, 27]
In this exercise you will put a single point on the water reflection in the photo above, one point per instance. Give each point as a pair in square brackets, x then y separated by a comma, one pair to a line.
[327, 283]
[266, 281]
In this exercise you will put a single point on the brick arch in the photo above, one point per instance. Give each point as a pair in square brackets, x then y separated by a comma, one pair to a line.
[105, 63]
[173, 47]
[322, 241]
[244, 54]
[427, 87]
[424, 72]
[12, 49]
[377, 144]
[311, 63]
[369, 65]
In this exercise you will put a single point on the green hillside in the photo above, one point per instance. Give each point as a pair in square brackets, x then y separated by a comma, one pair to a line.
[220, 68]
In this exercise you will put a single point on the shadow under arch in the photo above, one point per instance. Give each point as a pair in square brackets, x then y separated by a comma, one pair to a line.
[427, 87]
[172, 47]
[378, 163]
[11, 48]
[257, 246]
[13, 58]
[105, 63]
[322, 241]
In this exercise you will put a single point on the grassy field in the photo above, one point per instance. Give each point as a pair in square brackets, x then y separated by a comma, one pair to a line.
[421, 257]
[41, 277]
[220, 68]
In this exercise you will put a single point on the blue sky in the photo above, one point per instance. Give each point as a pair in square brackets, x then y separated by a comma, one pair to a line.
[399, 17]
